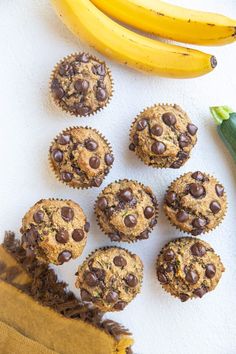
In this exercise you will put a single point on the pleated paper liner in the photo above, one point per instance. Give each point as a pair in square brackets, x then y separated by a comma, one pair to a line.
[41, 255]
[206, 231]
[57, 174]
[179, 240]
[41, 283]
[93, 253]
[132, 132]
[58, 102]
[149, 229]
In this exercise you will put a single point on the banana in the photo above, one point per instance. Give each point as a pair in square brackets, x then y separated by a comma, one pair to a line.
[127, 47]
[172, 22]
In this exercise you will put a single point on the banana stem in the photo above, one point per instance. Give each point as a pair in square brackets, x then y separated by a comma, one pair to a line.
[220, 113]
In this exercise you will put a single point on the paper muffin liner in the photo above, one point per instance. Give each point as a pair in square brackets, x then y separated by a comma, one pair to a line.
[206, 230]
[161, 253]
[41, 257]
[66, 131]
[104, 249]
[135, 121]
[149, 229]
[93, 57]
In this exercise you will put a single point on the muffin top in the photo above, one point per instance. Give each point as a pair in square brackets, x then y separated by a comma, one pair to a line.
[81, 84]
[126, 211]
[81, 157]
[110, 278]
[188, 268]
[163, 136]
[195, 203]
[54, 230]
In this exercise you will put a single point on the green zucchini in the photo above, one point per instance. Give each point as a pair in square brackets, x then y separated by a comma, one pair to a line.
[225, 118]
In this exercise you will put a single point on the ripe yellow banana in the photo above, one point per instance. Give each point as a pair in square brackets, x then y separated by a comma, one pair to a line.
[172, 22]
[117, 42]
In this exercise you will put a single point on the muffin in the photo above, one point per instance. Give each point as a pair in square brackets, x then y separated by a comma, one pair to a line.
[110, 278]
[54, 231]
[188, 268]
[163, 136]
[81, 157]
[126, 211]
[81, 84]
[195, 203]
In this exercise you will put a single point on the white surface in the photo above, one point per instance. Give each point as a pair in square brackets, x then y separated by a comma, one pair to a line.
[32, 40]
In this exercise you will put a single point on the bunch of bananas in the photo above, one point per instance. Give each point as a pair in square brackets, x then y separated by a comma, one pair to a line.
[90, 21]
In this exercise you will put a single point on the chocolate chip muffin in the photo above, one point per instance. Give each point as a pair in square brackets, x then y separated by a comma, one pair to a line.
[81, 84]
[81, 157]
[126, 211]
[110, 278]
[163, 136]
[188, 268]
[54, 231]
[195, 203]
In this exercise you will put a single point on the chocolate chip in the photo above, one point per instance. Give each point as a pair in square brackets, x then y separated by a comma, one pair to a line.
[199, 176]
[114, 237]
[57, 155]
[94, 162]
[210, 271]
[101, 94]
[153, 222]
[130, 221]
[119, 261]
[78, 235]
[96, 182]
[100, 273]
[64, 68]
[192, 129]
[83, 58]
[184, 140]
[215, 207]
[67, 213]
[81, 110]
[63, 139]
[131, 147]
[157, 130]
[120, 305]
[62, 236]
[85, 295]
[169, 118]
[183, 297]
[109, 159]
[182, 216]
[91, 279]
[162, 278]
[91, 145]
[219, 190]
[144, 235]
[192, 276]
[198, 250]
[158, 148]
[87, 226]
[81, 86]
[142, 124]
[197, 232]
[38, 216]
[31, 236]
[126, 195]
[169, 255]
[110, 211]
[66, 176]
[170, 268]
[199, 292]
[183, 155]
[112, 297]
[171, 198]
[102, 203]
[199, 223]
[196, 190]
[131, 280]
[149, 212]
[135, 139]
[64, 256]
[58, 92]
[99, 70]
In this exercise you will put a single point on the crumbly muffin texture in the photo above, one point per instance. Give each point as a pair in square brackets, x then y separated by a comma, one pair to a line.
[54, 231]
[81, 84]
[126, 211]
[110, 278]
[188, 268]
[81, 157]
[195, 203]
[163, 136]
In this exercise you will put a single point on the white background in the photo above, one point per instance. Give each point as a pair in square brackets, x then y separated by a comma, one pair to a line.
[32, 40]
